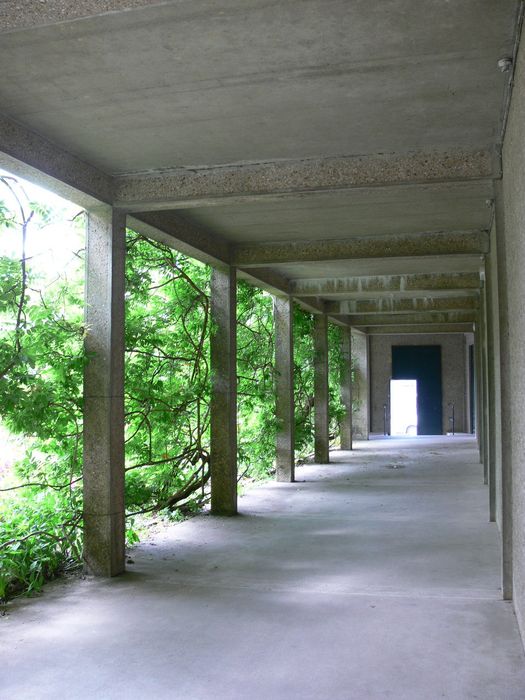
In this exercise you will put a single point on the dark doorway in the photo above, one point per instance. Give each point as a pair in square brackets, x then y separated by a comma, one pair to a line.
[423, 363]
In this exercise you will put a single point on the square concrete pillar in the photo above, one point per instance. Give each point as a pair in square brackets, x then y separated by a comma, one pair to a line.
[284, 389]
[223, 349]
[484, 378]
[490, 400]
[345, 427]
[321, 388]
[104, 507]
[478, 369]
[493, 353]
[361, 387]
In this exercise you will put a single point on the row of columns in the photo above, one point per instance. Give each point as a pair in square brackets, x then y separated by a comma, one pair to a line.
[104, 505]
[493, 389]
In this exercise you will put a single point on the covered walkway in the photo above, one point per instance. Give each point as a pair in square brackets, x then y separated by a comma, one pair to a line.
[377, 576]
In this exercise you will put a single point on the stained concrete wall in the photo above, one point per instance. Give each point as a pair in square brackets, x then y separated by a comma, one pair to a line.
[514, 232]
[453, 370]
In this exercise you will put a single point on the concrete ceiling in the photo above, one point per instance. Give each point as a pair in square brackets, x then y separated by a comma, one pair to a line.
[298, 121]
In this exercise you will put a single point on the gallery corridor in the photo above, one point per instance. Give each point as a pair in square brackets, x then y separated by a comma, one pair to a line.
[377, 576]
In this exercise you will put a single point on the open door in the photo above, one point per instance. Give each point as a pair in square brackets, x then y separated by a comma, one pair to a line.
[403, 407]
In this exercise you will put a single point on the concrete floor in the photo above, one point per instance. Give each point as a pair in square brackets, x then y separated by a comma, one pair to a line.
[358, 581]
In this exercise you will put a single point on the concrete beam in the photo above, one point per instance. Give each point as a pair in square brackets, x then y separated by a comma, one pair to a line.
[268, 279]
[284, 390]
[367, 287]
[420, 328]
[279, 285]
[223, 408]
[396, 306]
[206, 186]
[103, 463]
[393, 246]
[412, 319]
[175, 231]
[32, 157]
[321, 394]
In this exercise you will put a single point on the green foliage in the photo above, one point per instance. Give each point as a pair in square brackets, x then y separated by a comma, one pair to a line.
[36, 543]
[167, 391]
[335, 368]
[303, 327]
[167, 374]
[255, 372]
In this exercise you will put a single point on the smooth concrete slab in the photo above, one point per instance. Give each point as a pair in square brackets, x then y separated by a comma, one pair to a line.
[360, 580]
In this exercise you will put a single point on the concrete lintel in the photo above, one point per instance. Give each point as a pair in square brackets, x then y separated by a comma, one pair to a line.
[314, 306]
[32, 157]
[267, 279]
[385, 284]
[175, 231]
[431, 244]
[205, 186]
[419, 329]
[430, 317]
[410, 305]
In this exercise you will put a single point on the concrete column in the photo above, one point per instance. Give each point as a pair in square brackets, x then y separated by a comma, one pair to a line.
[321, 388]
[223, 350]
[506, 395]
[346, 389]
[494, 375]
[479, 394]
[104, 507]
[484, 378]
[284, 389]
[361, 387]
[491, 389]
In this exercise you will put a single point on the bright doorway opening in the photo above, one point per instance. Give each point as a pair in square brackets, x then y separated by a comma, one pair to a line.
[403, 407]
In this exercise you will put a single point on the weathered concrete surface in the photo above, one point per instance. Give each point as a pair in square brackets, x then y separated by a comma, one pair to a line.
[452, 368]
[433, 243]
[175, 231]
[184, 187]
[411, 319]
[359, 581]
[390, 305]
[20, 14]
[30, 156]
[361, 385]
[223, 404]
[392, 285]
[321, 397]
[514, 243]
[366, 211]
[432, 328]
[103, 444]
[284, 389]
[302, 80]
